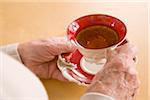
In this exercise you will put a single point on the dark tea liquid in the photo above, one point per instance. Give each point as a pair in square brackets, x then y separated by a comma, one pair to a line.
[97, 37]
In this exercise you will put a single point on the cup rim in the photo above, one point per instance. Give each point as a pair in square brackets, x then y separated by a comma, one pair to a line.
[82, 47]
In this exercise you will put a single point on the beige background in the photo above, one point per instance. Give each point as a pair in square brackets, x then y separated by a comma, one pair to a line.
[20, 22]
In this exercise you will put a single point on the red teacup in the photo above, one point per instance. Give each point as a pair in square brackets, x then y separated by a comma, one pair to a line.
[87, 62]
[93, 58]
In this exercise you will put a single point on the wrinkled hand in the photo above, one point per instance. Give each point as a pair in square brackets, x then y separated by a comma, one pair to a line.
[119, 78]
[40, 56]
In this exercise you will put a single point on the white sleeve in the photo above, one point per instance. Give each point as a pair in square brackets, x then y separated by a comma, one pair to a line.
[11, 50]
[95, 96]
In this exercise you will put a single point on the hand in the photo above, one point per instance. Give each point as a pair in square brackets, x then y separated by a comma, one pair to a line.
[40, 56]
[118, 79]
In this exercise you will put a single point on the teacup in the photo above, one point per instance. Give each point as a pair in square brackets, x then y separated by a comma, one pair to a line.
[93, 60]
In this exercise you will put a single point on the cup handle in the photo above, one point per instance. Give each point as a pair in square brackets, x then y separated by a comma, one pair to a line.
[124, 42]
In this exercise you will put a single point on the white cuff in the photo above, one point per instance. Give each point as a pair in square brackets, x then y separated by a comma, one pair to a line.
[11, 50]
[95, 96]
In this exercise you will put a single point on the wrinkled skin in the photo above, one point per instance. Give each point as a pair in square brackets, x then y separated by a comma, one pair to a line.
[40, 56]
[119, 78]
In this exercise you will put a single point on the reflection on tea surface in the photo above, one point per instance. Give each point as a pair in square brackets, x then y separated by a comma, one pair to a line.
[97, 37]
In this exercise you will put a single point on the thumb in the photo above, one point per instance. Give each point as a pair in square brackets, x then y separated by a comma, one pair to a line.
[128, 49]
[59, 45]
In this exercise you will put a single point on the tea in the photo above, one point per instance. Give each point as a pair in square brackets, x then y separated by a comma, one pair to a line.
[97, 37]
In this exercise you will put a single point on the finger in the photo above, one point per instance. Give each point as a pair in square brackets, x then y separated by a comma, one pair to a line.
[59, 45]
[132, 79]
[54, 72]
[110, 54]
[58, 75]
[128, 49]
[120, 62]
[40, 70]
